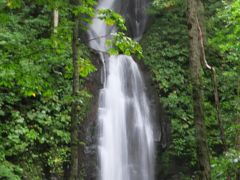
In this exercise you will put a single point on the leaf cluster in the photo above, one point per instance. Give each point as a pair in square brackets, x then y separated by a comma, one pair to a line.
[120, 43]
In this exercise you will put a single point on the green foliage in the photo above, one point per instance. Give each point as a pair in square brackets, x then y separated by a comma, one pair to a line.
[9, 171]
[120, 43]
[227, 165]
[86, 67]
[225, 40]
[13, 4]
[166, 54]
[86, 11]
[162, 4]
[35, 86]
[36, 76]
[111, 18]
[35, 82]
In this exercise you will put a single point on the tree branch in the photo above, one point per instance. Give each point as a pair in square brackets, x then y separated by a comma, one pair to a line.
[99, 37]
[215, 86]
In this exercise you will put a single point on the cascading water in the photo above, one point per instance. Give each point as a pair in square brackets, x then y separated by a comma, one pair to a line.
[126, 143]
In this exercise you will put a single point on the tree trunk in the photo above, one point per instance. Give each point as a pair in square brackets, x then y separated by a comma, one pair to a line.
[238, 143]
[55, 20]
[217, 107]
[238, 130]
[238, 134]
[75, 106]
[195, 68]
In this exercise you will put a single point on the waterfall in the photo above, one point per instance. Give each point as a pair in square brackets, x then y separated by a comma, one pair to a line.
[126, 142]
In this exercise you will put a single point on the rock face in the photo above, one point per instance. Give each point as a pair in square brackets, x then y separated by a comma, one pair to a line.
[91, 126]
[160, 118]
[134, 11]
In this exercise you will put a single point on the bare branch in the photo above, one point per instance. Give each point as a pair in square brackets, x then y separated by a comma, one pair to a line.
[99, 37]
[205, 63]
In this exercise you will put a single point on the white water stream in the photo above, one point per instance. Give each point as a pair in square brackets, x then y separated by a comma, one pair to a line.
[126, 143]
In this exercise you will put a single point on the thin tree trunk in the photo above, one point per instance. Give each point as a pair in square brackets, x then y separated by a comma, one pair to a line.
[238, 134]
[75, 106]
[55, 19]
[195, 68]
[238, 119]
[238, 130]
[217, 106]
[238, 143]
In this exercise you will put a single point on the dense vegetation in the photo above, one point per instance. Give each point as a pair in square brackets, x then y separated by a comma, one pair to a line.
[36, 84]
[166, 53]
[35, 99]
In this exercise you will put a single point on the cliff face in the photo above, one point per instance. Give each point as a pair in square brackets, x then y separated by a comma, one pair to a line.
[161, 122]
[91, 127]
[134, 11]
